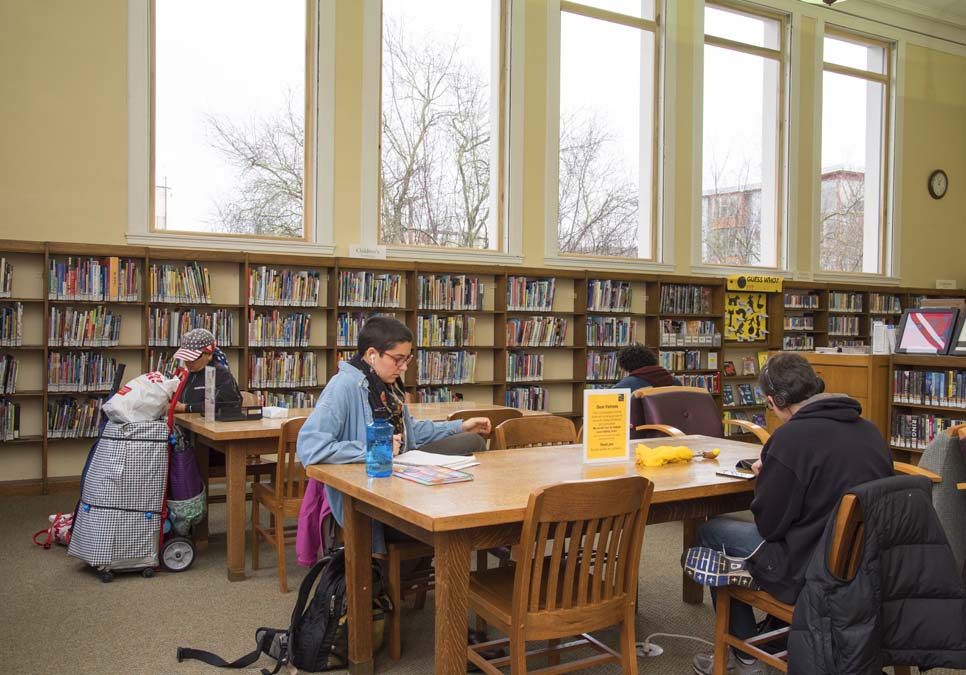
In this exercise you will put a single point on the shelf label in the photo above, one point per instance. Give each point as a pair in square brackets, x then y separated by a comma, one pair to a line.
[374, 252]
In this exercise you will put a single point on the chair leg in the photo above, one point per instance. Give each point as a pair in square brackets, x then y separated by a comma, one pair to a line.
[553, 658]
[629, 644]
[279, 532]
[255, 534]
[394, 588]
[481, 564]
[722, 620]
[518, 651]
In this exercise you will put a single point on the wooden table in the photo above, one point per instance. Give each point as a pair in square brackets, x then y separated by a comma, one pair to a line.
[240, 440]
[488, 512]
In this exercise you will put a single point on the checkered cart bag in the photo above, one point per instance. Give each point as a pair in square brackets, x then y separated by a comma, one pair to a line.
[120, 513]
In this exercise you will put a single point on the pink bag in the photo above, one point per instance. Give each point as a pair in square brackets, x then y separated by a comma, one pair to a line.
[59, 530]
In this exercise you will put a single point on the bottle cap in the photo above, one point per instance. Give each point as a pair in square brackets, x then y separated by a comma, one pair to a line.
[381, 414]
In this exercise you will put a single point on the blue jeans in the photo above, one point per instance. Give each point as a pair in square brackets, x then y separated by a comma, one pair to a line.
[738, 538]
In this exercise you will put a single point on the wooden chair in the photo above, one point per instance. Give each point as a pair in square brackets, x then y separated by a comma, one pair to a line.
[282, 497]
[416, 584]
[676, 411]
[496, 416]
[526, 432]
[845, 554]
[594, 529]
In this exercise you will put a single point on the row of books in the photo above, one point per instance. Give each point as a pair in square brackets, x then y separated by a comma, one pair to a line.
[6, 278]
[162, 361]
[166, 326]
[525, 293]
[798, 343]
[608, 331]
[537, 331]
[918, 431]
[9, 420]
[602, 366]
[8, 374]
[434, 330]
[277, 329]
[688, 360]
[800, 300]
[11, 325]
[748, 365]
[369, 289]
[80, 371]
[806, 322]
[449, 291]
[606, 295]
[285, 399]
[111, 279]
[348, 325]
[283, 287]
[940, 388]
[437, 395]
[92, 327]
[282, 369]
[885, 303]
[844, 325]
[691, 333]
[179, 283]
[747, 394]
[70, 417]
[686, 299]
[711, 381]
[527, 398]
[458, 367]
[845, 342]
[747, 416]
[524, 367]
[844, 301]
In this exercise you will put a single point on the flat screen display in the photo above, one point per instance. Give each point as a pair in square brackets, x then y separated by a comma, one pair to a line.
[926, 331]
[958, 345]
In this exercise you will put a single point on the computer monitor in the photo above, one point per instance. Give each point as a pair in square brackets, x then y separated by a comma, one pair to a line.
[928, 330]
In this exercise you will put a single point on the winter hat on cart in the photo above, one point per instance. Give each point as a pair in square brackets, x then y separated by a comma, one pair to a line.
[194, 343]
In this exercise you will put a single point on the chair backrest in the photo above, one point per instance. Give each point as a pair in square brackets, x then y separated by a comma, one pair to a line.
[690, 409]
[525, 432]
[496, 416]
[290, 477]
[594, 530]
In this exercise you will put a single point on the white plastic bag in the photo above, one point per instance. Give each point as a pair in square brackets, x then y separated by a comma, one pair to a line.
[143, 399]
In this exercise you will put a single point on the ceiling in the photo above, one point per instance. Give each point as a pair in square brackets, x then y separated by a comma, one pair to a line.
[946, 11]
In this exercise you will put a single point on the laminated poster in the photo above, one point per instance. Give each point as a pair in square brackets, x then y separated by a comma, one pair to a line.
[209, 394]
[607, 420]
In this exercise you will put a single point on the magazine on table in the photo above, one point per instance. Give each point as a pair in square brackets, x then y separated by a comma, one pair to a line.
[430, 475]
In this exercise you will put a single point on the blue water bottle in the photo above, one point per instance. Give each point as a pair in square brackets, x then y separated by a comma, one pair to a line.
[379, 446]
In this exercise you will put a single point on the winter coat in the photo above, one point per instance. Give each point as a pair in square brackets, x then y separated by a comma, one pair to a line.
[226, 389]
[825, 449]
[906, 604]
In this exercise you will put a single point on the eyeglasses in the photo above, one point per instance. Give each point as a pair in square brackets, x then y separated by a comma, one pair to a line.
[400, 359]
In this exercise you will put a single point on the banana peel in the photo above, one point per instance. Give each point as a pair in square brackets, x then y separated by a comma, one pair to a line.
[668, 454]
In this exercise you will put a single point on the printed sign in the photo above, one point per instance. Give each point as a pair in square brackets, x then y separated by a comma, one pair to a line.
[754, 282]
[607, 422]
[209, 394]
[746, 317]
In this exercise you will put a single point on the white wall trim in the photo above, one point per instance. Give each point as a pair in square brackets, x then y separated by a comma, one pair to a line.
[514, 143]
[623, 264]
[788, 252]
[697, 117]
[551, 187]
[857, 278]
[452, 255]
[667, 92]
[370, 127]
[222, 242]
[138, 117]
[816, 168]
[894, 192]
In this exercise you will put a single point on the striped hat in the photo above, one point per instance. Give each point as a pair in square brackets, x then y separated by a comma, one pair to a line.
[194, 343]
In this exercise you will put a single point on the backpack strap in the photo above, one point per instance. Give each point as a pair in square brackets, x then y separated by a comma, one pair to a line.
[264, 643]
[305, 588]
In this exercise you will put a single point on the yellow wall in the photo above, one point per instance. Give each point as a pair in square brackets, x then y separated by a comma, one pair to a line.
[63, 134]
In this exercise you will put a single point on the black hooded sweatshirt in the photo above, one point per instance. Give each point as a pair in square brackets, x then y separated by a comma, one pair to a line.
[824, 450]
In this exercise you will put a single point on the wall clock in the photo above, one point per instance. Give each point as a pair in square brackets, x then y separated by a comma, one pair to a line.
[938, 184]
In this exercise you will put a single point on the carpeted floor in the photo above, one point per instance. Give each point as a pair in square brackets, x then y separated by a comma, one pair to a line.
[58, 618]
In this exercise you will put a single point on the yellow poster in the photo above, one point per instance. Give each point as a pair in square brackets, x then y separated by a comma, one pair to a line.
[754, 282]
[746, 317]
[607, 420]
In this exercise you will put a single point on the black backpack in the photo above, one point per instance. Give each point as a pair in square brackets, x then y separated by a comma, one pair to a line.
[317, 638]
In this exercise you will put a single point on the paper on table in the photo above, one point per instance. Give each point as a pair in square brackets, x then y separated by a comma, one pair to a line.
[421, 458]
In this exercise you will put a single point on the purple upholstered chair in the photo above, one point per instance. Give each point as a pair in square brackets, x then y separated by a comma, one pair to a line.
[676, 411]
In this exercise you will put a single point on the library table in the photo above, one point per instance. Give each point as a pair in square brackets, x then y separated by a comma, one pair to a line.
[488, 511]
[241, 440]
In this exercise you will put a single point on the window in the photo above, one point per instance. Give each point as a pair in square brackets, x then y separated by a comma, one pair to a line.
[230, 137]
[606, 188]
[855, 109]
[442, 127]
[741, 175]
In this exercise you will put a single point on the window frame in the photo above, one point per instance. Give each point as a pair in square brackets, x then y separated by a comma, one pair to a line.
[784, 173]
[319, 154]
[662, 196]
[888, 206]
[509, 195]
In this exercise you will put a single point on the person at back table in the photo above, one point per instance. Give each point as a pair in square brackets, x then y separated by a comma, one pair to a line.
[198, 350]
[823, 449]
[640, 363]
[335, 431]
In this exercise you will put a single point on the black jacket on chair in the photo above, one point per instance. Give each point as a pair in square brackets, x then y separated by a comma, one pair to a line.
[906, 605]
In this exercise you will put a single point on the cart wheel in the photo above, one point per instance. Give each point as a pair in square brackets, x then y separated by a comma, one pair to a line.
[177, 554]
[147, 572]
[107, 576]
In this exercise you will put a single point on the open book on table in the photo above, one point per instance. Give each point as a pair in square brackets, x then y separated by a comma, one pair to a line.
[430, 475]
[420, 458]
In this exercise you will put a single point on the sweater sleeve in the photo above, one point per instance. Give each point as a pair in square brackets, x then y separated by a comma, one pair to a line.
[779, 497]
[320, 439]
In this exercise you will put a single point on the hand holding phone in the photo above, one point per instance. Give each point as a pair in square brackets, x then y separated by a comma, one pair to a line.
[734, 473]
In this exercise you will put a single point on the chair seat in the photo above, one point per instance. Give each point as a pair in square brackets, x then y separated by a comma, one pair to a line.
[764, 601]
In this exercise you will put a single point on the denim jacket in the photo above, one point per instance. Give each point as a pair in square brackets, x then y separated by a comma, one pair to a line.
[335, 432]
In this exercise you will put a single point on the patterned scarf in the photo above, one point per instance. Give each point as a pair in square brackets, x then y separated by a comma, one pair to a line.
[382, 396]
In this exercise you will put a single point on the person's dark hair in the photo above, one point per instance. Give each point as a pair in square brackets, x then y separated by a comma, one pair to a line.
[382, 333]
[634, 356]
[789, 379]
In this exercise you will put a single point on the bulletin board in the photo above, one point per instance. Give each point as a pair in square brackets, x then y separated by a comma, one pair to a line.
[746, 317]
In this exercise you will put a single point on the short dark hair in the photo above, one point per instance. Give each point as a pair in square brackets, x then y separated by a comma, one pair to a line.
[789, 379]
[634, 356]
[382, 333]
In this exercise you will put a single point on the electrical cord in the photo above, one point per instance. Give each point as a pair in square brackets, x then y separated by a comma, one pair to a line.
[648, 648]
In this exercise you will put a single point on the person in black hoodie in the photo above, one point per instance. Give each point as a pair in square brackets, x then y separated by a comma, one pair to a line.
[197, 351]
[640, 362]
[823, 449]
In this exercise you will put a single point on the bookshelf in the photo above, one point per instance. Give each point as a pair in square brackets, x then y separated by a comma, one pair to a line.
[804, 318]
[689, 329]
[927, 396]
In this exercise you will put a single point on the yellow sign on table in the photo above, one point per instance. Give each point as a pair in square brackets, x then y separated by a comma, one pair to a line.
[607, 421]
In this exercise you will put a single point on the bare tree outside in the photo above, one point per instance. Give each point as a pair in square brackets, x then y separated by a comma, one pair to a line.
[731, 214]
[843, 220]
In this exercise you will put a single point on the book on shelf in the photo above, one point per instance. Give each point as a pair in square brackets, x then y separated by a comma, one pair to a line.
[6, 278]
[430, 475]
[759, 419]
[293, 288]
[11, 325]
[422, 458]
[168, 282]
[685, 299]
[524, 293]
[712, 360]
[762, 359]
[749, 365]
[727, 395]
[606, 295]
[729, 369]
[746, 395]
[369, 289]
[449, 292]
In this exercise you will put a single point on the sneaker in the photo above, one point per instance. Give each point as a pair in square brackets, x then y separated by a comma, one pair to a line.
[713, 568]
[703, 664]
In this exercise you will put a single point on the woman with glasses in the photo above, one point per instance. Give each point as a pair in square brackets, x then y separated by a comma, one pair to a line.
[335, 432]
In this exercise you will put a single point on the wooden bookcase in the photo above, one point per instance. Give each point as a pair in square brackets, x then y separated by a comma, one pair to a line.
[927, 395]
